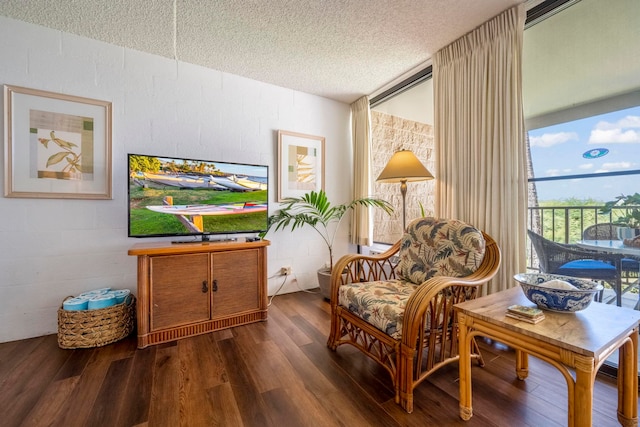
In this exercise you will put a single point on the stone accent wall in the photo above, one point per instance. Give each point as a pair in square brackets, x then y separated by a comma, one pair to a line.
[390, 134]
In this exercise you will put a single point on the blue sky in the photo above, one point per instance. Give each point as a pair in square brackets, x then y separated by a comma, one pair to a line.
[558, 150]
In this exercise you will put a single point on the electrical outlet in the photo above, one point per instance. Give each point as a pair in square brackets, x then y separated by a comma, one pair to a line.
[285, 271]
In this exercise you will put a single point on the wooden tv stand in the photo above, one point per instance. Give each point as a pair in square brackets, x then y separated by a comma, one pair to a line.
[193, 288]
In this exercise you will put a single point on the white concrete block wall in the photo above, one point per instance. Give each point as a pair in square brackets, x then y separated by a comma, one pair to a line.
[52, 248]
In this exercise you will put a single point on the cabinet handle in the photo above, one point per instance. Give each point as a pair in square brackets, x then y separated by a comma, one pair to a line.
[204, 286]
[215, 285]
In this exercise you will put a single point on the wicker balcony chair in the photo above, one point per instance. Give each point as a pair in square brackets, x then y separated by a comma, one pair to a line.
[574, 261]
[630, 267]
[401, 315]
[609, 231]
[602, 231]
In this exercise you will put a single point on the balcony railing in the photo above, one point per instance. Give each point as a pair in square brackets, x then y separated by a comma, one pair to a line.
[565, 224]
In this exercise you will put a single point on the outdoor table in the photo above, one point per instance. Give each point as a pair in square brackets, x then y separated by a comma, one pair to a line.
[613, 247]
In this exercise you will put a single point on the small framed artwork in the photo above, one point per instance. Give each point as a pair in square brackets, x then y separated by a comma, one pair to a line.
[56, 146]
[300, 164]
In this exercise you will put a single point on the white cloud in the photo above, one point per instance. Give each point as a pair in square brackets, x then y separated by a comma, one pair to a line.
[625, 122]
[586, 166]
[617, 165]
[620, 132]
[551, 139]
[557, 172]
[630, 122]
[613, 136]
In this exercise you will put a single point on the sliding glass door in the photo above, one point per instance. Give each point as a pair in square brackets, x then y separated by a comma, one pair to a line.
[581, 99]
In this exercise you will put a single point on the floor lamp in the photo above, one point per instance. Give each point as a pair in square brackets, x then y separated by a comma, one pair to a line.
[404, 167]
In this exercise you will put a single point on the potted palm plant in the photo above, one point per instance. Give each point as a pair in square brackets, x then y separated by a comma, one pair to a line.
[314, 209]
[629, 221]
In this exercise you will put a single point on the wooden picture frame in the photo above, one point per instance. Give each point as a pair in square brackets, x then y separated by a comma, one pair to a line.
[56, 146]
[300, 164]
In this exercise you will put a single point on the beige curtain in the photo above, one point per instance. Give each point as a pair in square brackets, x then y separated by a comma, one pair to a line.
[480, 137]
[361, 221]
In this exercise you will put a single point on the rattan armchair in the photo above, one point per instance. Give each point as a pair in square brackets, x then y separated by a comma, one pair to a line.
[419, 333]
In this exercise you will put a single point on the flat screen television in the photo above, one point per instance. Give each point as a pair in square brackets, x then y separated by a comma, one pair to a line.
[174, 196]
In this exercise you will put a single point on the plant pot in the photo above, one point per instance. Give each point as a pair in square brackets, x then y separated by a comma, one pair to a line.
[324, 281]
[628, 233]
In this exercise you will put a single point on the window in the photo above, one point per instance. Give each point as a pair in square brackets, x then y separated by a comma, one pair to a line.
[579, 165]
[589, 158]
[581, 93]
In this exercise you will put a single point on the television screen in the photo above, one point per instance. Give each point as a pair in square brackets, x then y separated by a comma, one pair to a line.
[171, 196]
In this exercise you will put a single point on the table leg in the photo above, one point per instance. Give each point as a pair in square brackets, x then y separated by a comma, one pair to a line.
[581, 402]
[522, 364]
[619, 282]
[464, 366]
[628, 381]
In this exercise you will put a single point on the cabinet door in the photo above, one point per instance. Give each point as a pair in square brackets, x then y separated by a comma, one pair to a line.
[235, 282]
[180, 291]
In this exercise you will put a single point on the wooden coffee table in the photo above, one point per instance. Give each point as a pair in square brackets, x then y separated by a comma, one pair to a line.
[572, 342]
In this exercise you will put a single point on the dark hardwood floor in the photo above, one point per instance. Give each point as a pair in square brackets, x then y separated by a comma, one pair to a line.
[273, 373]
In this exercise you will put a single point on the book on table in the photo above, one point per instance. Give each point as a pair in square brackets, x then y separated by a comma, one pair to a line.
[526, 314]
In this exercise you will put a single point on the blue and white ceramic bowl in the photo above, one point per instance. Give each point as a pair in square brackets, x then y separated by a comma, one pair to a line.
[561, 300]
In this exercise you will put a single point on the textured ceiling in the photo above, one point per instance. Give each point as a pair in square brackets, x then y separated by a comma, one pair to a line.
[339, 49]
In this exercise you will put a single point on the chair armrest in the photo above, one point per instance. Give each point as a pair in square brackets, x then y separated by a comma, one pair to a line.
[363, 268]
[425, 298]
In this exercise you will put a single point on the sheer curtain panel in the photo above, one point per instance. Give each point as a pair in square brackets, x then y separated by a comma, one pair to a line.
[480, 137]
[361, 221]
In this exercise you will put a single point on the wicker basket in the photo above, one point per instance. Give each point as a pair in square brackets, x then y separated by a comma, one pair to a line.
[95, 328]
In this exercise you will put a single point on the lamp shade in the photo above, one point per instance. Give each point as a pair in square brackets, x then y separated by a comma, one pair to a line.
[404, 166]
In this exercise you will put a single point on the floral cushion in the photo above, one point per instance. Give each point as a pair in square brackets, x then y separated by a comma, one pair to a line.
[439, 247]
[380, 303]
[430, 247]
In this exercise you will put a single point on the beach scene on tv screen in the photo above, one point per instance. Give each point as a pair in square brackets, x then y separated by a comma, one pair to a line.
[172, 196]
